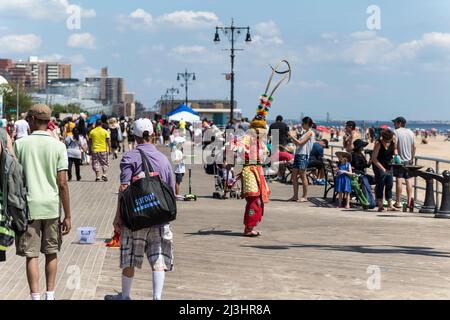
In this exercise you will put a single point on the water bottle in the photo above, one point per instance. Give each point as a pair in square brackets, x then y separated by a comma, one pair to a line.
[397, 160]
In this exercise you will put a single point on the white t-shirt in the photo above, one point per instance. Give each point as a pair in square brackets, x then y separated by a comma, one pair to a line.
[22, 128]
[178, 158]
[306, 148]
[405, 142]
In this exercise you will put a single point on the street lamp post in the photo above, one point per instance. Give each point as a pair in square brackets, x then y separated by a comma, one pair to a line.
[164, 99]
[17, 102]
[172, 92]
[186, 76]
[232, 33]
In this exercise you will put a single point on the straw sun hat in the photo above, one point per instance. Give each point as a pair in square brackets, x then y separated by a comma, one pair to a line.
[343, 154]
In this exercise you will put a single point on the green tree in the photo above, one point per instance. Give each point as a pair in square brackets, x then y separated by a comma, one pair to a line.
[10, 101]
[74, 108]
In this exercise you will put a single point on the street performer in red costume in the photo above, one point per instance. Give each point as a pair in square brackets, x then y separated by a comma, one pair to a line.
[254, 186]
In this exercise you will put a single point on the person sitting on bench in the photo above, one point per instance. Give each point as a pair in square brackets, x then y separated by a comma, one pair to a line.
[360, 162]
[316, 160]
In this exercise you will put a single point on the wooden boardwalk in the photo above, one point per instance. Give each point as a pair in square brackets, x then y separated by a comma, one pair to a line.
[308, 251]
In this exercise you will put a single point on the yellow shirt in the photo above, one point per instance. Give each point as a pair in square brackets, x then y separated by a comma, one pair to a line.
[98, 138]
[182, 124]
[69, 128]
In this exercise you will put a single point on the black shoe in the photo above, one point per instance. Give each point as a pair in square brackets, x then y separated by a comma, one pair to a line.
[79, 179]
[105, 178]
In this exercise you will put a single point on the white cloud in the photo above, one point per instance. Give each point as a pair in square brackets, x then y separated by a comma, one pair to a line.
[136, 20]
[366, 49]
[144, 21]
[81, 40]
[52, 57]
[363, 35]
[185, 50]
[54, 10]
[189, 19]
[437, 38]
[267, 33]
[20, 43]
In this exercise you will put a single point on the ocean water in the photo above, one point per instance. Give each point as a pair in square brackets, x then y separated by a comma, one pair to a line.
[441, 127]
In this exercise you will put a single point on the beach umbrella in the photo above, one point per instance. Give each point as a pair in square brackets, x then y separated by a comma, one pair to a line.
[323, 129]
[384, 127]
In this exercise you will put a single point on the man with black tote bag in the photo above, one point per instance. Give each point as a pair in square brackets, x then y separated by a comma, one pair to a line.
[155, 242]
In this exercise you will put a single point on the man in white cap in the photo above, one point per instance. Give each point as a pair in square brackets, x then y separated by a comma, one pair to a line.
[156, 243]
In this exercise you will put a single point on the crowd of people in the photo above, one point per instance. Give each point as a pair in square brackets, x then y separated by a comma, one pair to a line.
[302, 152]
[48, 147]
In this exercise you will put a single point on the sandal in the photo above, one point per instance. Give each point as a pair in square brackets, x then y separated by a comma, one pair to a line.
[393, 209]
[253, 234]
[398, 206]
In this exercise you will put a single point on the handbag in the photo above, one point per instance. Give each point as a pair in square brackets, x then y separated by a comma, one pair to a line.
[148, 201]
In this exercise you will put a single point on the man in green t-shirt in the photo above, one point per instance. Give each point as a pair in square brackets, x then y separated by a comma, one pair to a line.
[44, 160]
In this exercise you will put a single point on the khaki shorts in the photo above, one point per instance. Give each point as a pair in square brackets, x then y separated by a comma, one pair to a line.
[42, 236]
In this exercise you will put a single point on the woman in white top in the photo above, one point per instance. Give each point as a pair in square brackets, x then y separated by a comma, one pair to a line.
[304, 145]
[74, 153]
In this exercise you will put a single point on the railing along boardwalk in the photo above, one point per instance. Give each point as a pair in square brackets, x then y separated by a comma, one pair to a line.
[419, 184]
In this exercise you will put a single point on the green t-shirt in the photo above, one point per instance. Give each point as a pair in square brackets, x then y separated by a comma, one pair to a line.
[42, 157]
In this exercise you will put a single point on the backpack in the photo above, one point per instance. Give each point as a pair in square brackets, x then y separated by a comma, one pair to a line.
[114, 133]
[15, 207]
[130, 129]
[148, 201]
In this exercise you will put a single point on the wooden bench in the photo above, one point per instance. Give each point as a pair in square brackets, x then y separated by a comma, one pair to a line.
[310, 174]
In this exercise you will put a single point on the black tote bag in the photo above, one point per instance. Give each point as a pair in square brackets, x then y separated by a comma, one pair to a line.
[148, 201]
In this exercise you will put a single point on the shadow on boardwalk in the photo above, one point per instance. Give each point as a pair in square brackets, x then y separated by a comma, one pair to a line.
[214, 232]
[422, 251]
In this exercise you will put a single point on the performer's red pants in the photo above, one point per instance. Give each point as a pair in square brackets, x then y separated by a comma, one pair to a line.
[254, 212]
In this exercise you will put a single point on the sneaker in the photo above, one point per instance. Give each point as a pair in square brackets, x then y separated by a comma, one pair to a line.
[116, 297]
[97, 179]
[321, 182]
[105, 178]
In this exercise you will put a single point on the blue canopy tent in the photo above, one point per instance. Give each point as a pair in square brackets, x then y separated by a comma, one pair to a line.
[93, 119]
[185, 113]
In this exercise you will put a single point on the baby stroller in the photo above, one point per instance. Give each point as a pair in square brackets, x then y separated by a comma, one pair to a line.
[225, 181]
[361, 189]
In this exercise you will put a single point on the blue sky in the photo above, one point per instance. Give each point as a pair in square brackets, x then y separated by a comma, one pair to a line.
[339, 65]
